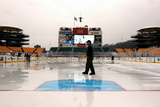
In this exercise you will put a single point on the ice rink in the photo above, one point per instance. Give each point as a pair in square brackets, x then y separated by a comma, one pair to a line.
[61, 84]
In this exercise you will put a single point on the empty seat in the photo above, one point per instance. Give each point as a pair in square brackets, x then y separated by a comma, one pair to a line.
[29, 50]
[98, 50]
[17, 49]
[4, 49]
[79, 50]
[105, 49]
[39, 50]
[53, 49]
[65, 49]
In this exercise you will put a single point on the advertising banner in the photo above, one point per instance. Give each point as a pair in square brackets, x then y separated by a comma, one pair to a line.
[70, 42]
[97, 45]
[80, 31]
[62, 36]
[65, 32]
[158, 59]
[66, 45]
[95, 32]
[1, 58]
[69, 39]
[62, 39]
[98, 39]
[81, 45]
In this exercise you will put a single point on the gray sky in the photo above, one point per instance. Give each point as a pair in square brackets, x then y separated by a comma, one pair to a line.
[41, 19]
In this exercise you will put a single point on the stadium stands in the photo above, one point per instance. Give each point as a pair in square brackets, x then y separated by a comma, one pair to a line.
[54, 49]
[17, 49]
[98, 50]
[67, 49]
[34, 55]
[12, 37]
[76, 49]
[20, 49]
[141, 52]
[4, 49]
[29, 50]
[128, 52]
[157, 50]
[105, 49]
[39, 50]
[79, 49]
[122, 52]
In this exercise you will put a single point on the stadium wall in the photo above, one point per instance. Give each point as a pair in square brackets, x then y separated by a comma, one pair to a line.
[9, 59]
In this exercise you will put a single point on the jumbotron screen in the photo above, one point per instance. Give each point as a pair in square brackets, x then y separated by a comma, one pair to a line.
[82, 39]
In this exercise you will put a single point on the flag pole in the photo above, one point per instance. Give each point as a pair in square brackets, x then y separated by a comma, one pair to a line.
[75, 19]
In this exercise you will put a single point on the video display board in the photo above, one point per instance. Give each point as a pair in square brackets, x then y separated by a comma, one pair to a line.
[82, 39]
[77, 37]
[69, 39]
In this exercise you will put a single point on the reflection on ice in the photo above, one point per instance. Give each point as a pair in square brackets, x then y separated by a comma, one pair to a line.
[80, 85]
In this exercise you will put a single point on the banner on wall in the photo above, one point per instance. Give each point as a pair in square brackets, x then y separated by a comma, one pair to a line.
[95, 32]
[1, 58]
[98, 39]
[81, 45]
[65, 32]
[80, 31]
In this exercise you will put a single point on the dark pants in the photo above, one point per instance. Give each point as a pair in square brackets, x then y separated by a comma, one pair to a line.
[89, 65]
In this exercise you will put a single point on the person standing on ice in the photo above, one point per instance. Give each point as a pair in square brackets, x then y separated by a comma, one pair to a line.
[89, 63]
[112, 58]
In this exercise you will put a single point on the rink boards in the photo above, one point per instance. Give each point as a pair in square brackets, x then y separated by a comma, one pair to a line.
[9, 59]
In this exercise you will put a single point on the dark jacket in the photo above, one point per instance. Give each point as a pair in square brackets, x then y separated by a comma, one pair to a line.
[89, 52]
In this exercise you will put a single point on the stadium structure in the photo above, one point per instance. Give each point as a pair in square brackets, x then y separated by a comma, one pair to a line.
[147, 37]
[146, 43]
[72, 44]
[12, 40]
[77, 37]
[13, 37]
[72, 41]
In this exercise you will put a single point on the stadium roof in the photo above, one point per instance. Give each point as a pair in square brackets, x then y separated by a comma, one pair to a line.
[8, 28]
[150, 28]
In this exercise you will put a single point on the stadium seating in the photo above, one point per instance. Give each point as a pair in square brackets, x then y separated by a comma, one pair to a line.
[128, 52]
[29, 50]
[105, 49]
[154, 52]
[122, 52]
[34, 55]
[17, 49]
[4, 49]
[34, 51]
[53, 49]
[79, 49]
[39, 50]
[98, 50]
[66, 49]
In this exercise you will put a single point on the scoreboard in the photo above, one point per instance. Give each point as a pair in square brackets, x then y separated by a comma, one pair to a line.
[77, 37]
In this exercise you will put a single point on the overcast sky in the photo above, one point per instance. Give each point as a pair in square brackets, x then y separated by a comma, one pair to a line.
[41, 19]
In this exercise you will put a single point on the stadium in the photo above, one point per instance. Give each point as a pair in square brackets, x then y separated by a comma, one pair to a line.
[54, 78]
[72, 44]
[12, 36]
